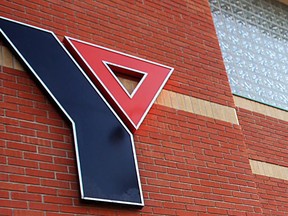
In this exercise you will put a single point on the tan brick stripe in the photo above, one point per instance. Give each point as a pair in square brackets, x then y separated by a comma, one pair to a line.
[197, 106]
[261, 108]
[270, 170]
[7, 59]
[191, 104]
[166, 98]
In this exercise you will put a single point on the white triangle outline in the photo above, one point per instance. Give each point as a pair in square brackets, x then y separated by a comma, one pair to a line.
[144, 75]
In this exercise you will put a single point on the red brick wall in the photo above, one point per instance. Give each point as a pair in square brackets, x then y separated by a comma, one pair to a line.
[37, 157]
[273, 195]
[197, 162]
[266, 139]
[180, 34]
[189, 164]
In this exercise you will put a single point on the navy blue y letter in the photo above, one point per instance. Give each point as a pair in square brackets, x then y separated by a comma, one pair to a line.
[105, 153]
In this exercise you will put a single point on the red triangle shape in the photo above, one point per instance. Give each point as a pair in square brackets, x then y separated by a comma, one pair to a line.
[95, 61]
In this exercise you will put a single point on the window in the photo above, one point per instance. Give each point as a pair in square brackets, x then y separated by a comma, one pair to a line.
[253, 36]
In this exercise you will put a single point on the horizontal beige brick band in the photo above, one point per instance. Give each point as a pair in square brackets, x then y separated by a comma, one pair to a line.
[197, 106]
[166, 98]
[7, 59]
[261, 108]
[270, 170]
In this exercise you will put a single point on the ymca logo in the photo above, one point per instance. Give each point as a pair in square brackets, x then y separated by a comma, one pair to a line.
[82, 81]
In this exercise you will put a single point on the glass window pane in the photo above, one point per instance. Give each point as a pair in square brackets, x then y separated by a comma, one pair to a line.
[253, 36]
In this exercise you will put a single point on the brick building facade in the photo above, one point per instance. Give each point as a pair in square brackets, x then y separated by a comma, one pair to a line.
[200, 150]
